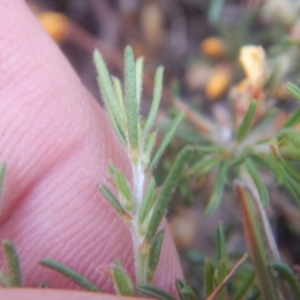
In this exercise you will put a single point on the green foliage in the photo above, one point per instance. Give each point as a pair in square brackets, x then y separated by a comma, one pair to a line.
[122, 281]
[289, 277]
[70, 274]
[142, 207]
[155, 292]
[2, 173]
[246, 124]
[217, 193]
[14, 274]
[166, 191]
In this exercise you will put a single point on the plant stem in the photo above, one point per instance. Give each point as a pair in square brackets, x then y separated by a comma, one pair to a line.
[138, 188]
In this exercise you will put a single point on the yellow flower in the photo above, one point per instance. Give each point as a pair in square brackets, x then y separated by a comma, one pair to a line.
[253, 60]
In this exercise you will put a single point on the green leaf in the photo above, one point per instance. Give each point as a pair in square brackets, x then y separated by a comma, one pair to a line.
[147, 201]
[292, 186]
[154, 253]
[111, 199]
[286, 273]
[188, 293]
[69, 273]
[261, 188]
[2, 173]
[179, 285]
[119, 94]
[4, 279]
[14, 278]
[107, 90]
[155, 292]
[208, 149]
[185, 292]
[204, 165]
[255, 244]
[241, 157]
[148, 148]
[220, 243]
[165, 141]
[166, 191]
[122, 280]
[216, 197]
[244, 287]
[288, 135]
[292, 171]
[293, 119]
[276, 168]
[139, 78]
[215, 10]
[122, 187]
[221, 258]
[246, 124]
[293, 90]
[158, 80]
[131, 98]
[209, 273]
[221, 274]
[118, 131]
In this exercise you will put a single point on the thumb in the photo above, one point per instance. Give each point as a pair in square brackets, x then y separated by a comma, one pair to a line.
[56, 142]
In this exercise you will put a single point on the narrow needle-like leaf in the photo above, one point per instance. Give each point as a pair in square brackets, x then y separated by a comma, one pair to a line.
[107, 89]
[111, 199]
[293, 119]
[166, 191]
[13, 264]
[119, 94]
[147, 201]
[118, 130]
[286, 273]
[139, 78]
[261, 188]
[148, 148]
[209, 272]
[221, 258]
[217, 193]
[155, 292]
[218, 289]
[131, 98]
[122, 187]
[186, 293]
[220, 242]
[122, 280]
[215, 10]
[4, 280]
[255, 244]
[155, 101]
[244, 287]
[293, 90]
[246, 124]
[155, 253]
[165, 141]
[69, 273]
[2, 173]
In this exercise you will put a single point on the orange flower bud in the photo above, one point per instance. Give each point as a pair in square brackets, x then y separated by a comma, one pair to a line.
[218, 83]
[55, 24]
[213, 47]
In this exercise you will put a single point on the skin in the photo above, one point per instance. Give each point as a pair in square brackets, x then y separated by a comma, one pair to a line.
[56, 142]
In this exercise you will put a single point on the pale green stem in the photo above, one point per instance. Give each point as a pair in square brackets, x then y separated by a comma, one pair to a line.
[138, 189]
